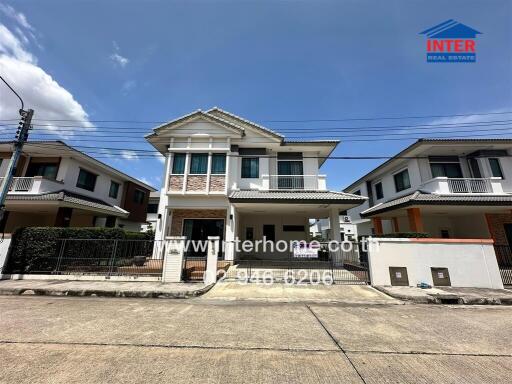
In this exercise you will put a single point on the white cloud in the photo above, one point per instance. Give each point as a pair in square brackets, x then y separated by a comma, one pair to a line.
[37, 88]
[17, 16]
[117, 58]
[129, 155]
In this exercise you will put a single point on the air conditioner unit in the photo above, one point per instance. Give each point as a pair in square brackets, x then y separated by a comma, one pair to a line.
[346, 219]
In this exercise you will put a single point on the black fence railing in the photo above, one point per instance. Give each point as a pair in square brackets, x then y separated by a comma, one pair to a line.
[109, 257]
[504, 259]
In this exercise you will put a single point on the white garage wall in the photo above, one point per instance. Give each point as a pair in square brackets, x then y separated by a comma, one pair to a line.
[470, 264]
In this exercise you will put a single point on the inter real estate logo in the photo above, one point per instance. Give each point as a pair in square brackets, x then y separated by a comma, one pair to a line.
[451, 42]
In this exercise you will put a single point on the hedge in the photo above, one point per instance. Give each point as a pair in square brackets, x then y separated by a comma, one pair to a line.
[36, 249]
[404, 235]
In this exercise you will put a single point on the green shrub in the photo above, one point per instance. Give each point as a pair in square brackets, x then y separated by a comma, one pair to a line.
[405, 235]
[37, 249]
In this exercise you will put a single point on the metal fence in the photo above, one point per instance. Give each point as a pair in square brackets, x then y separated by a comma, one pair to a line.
[504, 258]
[108, 257]
[341, 267]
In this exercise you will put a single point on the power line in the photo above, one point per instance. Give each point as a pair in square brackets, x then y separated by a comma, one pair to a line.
[291, 120]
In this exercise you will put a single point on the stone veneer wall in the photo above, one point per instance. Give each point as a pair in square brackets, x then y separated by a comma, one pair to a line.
[176, 183]
[496, 222]
[196, 183]
[217, 183]
[179, 214]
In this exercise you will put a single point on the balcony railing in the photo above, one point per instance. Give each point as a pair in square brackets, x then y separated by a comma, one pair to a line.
[305, 182]
[36, 184]
[20, 184]
[445, 185]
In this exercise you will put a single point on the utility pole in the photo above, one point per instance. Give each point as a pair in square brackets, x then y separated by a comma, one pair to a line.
[21, 138]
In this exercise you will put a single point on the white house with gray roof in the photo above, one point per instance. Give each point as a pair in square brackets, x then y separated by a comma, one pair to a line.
[57, 185]
[229, 177]
[449, 188]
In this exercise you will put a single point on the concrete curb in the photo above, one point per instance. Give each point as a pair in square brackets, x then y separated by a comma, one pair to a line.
[156, 294]
[447, 298]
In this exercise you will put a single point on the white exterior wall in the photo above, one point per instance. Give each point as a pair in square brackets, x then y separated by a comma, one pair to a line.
[469, 264]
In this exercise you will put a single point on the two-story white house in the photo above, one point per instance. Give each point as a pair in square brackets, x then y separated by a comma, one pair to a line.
[229, 177]
[448, 188]
[57, 185]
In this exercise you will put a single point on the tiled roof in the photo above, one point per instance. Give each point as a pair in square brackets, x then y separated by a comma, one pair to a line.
[419, 198]
[295, 196]
[71, 198]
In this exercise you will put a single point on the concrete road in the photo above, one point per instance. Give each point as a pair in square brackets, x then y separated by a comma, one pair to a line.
[93, 340]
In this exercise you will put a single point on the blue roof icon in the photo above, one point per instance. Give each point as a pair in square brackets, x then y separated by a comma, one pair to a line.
[451, 29]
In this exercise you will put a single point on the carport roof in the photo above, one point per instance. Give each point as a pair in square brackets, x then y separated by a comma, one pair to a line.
[74, 199]
[295, 197]
[419, 198]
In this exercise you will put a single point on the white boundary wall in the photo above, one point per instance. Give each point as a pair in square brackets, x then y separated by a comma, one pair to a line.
[4, 249]
[470, 263]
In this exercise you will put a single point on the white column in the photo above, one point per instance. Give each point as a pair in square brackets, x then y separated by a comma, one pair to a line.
[210, 275]
[185, 172]
[334, 218]
[173, 261]
[229, 249]
[208, 171]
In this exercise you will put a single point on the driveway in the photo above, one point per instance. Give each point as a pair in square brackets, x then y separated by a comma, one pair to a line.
[280, 292]
[97, 340]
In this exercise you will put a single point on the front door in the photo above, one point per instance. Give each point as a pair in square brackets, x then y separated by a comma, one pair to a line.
[198, 230]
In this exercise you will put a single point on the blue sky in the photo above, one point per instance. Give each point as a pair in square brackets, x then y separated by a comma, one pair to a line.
[263, 60]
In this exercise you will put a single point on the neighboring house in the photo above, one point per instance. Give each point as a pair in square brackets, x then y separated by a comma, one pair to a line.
[229, 177]
[449, 188]
[152, 216]
[57, 185]
[348, 230]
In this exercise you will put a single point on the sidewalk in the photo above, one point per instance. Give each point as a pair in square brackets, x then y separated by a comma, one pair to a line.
[449, 295]
[102, 288]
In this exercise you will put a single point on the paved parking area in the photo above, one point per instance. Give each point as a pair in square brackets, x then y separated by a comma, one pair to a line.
[97, 340]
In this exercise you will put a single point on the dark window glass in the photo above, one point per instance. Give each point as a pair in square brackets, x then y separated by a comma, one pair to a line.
[138, 196]
[178, 164]
[496, 168]
[47, 170]
[86, 180]
[402, 180]
[379, 193]
[293, 228]
[451, 170]
[289, 168]
[153, 208]
[198, 163]
[269, 232]
[250, 167]
[218, 164]
[114, 189]
[358, 192]
[249, 233]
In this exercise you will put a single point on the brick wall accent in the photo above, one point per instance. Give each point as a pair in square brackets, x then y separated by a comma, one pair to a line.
[175, 183]
[217, 183]
[496, 222]
[179, 214]
[196, 183]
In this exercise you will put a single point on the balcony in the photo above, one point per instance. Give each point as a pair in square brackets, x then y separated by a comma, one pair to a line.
[445, 185]
[295, 182]
[33, 185]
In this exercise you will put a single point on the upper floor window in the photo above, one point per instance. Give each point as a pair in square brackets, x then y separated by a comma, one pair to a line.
[178, 164]
[445, 166]
[86, 180]
[250, 167]
[153, 208]
[496, 167]
[379, 192]
[138, 196]
[198, 164]
[47, 170]
[218, 164]
[402, 181]
[114, 190]
[358, 192]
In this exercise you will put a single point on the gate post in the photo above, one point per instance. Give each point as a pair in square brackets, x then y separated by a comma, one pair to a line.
[173, 259]
[210, 275]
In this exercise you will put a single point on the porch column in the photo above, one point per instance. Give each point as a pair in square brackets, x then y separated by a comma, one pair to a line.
[63, 218]
[334, 217]
[415, 222]
[377, 225]
[229, 248]
[396, 227]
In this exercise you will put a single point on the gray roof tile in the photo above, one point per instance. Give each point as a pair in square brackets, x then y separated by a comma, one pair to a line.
[313, 196]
